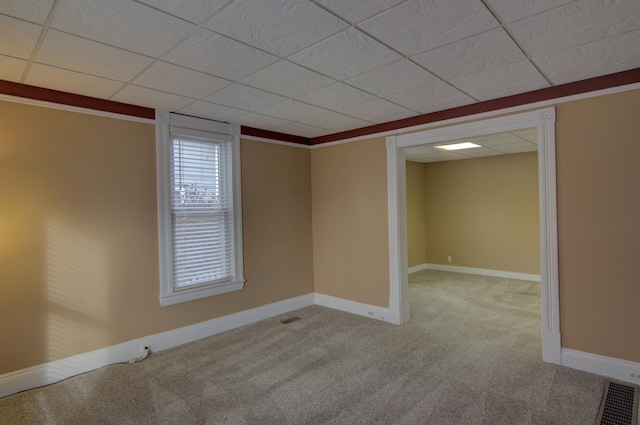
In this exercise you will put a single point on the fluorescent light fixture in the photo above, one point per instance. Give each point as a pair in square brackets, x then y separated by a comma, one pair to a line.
[458, 146]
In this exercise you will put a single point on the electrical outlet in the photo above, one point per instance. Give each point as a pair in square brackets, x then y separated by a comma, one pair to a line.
[635, 375]
[449, 259]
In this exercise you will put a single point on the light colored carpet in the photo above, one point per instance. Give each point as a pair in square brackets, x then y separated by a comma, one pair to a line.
[470, 355]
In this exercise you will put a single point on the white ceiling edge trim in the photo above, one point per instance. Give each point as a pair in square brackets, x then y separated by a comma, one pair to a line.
[488, 114]
[78, 109]
[274, 141]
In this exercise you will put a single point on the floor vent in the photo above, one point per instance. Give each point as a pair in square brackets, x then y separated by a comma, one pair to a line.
[291, 320]
[619, 405]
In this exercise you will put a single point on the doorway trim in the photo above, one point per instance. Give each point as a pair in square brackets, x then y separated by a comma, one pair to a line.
[544, 121]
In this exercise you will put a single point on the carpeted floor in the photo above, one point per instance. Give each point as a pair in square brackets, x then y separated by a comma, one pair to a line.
[470, 355]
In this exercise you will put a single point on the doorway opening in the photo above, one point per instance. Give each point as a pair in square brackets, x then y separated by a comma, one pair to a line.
[544, 121]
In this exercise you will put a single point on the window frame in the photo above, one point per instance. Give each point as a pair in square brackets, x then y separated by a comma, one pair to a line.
[169, 295]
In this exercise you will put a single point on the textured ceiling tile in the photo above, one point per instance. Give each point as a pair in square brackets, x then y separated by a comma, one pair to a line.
[447, 105]
[528, 134]
[11, 69]
[478, 152]
[244, 97]
[30, 10]
[201, 50]
[302, 130]
[356, 11]
[427, 96]
[575, 24]
[122, 23]
[335, 121]
[418, 26]
[471, 55]
[336, 96]
[78, 54]
[287, 79]
[279, 27]
[177, 80]
[513, 10]
[519, 77]
[375, 110]
[259, 121]
[393, 78]
[196, 11]
[212, 111]
[17, 37]
[345, 55]
[141, 96]
[71, 82]
[493, 140]
[602, 57]
[292, 110]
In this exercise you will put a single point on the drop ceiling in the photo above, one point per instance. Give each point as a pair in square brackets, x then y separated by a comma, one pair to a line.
[519, 141]
[313, 68]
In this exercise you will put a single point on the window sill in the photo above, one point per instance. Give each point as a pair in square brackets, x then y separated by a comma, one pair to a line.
[202, 292]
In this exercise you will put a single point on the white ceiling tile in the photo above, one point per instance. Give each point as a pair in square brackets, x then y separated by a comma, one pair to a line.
[447, 105]
[141, 96]
[335, 121]
[507, 80]
[279, 27]
[356, 11]
[601, 57]
[493, 140]
[292, 110]
[375, 110]
[244, 97]
[18, 37]
[196, 11]
[30, 10]
[345, 55]
[178, 80]
[287, 79]
[122, 23]
[259, 121]
[418, 150]
[427, 96]
[303, 130]
[393, 78]
[528, 134]
[212, 111]
[471, 55]
[78, 54]
[11, 69]
[577, 23]
[510, 10]
[336, 96]
[516, 147]
[71, 82]
[395, 117]
[418, 26]
[478, 152]
[203, 49]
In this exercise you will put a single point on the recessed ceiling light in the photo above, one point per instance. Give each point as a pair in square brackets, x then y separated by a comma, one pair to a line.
[458, 146]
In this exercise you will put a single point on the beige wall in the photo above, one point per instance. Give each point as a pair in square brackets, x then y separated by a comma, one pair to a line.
[79, 243]
[483, 212]
[598, 157]
[416, 213]
[350, 224]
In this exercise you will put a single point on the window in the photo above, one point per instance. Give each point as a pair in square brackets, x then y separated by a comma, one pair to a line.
[199, 208]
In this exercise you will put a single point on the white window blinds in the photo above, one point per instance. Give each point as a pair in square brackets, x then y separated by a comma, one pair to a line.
[201, 211]
[199, 208]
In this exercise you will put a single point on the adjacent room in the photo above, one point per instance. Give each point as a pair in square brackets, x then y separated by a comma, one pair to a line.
[241, 211]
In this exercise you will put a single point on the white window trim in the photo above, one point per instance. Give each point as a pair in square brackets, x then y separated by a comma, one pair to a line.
[168, 294]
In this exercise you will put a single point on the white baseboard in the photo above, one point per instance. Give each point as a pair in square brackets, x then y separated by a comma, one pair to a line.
[473, 270]
[48, 373]
[354, 307]
[610, 367]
